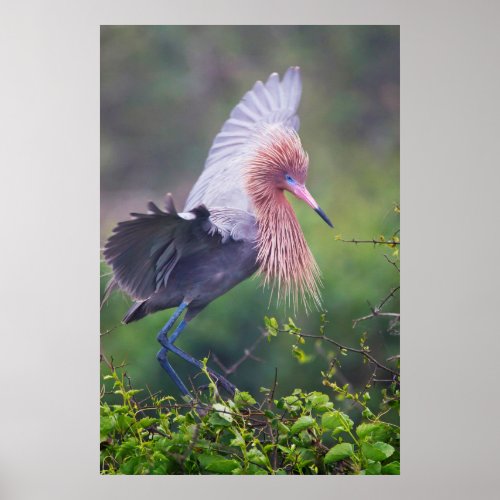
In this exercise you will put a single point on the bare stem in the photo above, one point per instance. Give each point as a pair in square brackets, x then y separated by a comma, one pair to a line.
[376, 311]
[372, 241]
[392, 262]
[363, 352]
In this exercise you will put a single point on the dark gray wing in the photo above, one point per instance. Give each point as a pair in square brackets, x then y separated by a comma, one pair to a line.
[144, 250]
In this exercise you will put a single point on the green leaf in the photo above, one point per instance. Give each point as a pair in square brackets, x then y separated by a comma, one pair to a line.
[283, 428]
[123, 423]
[377, 451]
[223, 411]
[334, 420]
[373, 469]
[216, 420]
[291, 403]
[217, 463]
[300, 355]
[284, 449]
[243, 399]
[255, 470]
[127, 448]
[131, 466]
[391, 468]
[305, 438]
[302, 423]
[271, 326]
[107, 426]
[318, 399]
[374, 432]
[146, 422]
[339, 452]
[257, 457]
[306, 456]
[367, 413]
[238, 440]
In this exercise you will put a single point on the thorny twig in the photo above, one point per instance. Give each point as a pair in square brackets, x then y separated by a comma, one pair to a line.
[376, 311]
[372, 241]
[112, 329]
[391, 294]
[392, 262]
[363, 352]
[273, 390]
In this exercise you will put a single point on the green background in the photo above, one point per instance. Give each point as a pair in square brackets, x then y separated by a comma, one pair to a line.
[165, 92]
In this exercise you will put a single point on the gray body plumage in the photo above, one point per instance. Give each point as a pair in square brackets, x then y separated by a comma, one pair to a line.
[163, 258]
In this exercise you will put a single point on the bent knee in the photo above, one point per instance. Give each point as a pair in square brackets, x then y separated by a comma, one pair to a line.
[161, 355]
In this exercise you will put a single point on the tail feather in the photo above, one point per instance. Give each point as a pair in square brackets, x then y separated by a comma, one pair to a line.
[144, 250]
[110, 287]
[136, 312]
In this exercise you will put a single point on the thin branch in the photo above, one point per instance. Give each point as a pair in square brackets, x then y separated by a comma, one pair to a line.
[269, 404]
[275, 383]
[376, 311]
[101, 334]
[363, 352]
[372, 241]
[374, 314]
[109, 363]
[391, 294]
[392, 262]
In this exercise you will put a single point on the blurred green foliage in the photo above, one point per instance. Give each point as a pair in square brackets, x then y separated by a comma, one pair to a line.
[165, 92]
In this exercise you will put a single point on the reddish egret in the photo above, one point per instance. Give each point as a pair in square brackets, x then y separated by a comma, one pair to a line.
[236, 221]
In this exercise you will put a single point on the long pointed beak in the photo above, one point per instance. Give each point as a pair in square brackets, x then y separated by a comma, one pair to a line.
[302, 193]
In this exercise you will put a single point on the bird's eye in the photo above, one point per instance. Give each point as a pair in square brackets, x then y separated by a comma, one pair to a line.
[289, 179]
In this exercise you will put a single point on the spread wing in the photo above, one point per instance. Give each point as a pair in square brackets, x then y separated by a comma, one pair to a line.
[144, 250]
[221, 183]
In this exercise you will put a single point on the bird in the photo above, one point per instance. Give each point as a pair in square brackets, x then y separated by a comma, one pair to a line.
[236, 222]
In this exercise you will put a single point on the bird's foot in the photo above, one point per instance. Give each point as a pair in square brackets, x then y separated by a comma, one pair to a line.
[219, 380]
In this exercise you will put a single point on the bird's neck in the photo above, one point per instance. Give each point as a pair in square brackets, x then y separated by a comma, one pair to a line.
[284, 257]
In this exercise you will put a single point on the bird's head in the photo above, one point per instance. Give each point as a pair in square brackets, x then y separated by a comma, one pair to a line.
[281, 164]
[298, 188]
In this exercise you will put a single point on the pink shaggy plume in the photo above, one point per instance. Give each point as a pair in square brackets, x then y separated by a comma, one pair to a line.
[284, 257]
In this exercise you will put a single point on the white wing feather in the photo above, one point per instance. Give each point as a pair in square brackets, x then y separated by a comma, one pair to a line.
[221, 182]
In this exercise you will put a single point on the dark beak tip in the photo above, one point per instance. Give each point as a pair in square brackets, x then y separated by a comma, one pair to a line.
[322, 214]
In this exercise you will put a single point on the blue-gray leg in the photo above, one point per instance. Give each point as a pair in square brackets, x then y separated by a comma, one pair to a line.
[162, 358]
[162, 353]
[168, 345]
[170, 323]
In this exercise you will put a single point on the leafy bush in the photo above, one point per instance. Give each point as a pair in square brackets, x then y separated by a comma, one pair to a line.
[302, 433]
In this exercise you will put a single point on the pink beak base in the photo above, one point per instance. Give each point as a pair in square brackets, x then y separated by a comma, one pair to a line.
[301, 192]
